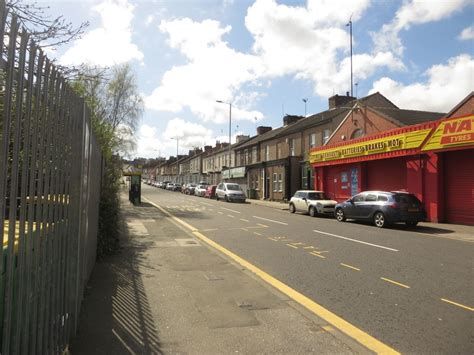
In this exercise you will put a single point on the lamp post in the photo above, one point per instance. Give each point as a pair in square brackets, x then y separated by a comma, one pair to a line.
[177, 165]
[230, 125]
[305, 100]
[350, 29]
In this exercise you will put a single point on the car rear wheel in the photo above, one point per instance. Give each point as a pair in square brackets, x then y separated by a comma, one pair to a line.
[226, 199]
[379, 220]
[411, 223]
[292, 208]
[312, 211]
[340, 215]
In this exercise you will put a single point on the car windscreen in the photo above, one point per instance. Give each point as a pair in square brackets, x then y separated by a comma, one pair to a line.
[407, 198]
[317, 196]
[233, 187]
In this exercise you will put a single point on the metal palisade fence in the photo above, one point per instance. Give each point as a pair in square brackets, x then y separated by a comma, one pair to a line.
[50, 178]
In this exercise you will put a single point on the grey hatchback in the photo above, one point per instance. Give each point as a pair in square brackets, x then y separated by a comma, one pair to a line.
[382, 208]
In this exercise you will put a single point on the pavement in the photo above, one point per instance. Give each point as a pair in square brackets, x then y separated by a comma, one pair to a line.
[170, 293]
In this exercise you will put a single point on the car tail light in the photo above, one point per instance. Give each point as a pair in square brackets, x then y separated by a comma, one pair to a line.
[394, 205]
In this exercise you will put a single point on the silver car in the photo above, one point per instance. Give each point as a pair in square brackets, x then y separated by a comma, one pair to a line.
[229, 192]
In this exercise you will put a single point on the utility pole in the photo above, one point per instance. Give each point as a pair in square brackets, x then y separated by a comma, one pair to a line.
[350, 29]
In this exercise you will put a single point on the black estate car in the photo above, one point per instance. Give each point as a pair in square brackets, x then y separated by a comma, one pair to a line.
[382, 208]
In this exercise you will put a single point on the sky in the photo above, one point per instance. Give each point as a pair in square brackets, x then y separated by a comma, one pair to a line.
[266, 56]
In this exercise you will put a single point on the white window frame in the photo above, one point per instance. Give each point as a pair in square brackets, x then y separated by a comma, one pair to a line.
[280, 182]
[292, 147]
[312, 140]
[275, 182]
[326, 135]
[267, 153]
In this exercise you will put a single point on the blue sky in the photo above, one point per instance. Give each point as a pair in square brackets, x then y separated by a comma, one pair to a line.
[265, 56]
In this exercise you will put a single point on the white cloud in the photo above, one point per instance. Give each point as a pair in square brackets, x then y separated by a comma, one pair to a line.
[307, 42]
[467, 33]
[413, 12]
[445, 86]
[213, 72]
[190, 135]
[109, 44]
[149, 20]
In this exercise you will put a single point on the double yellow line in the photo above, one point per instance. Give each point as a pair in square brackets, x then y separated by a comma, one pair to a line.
[345, 327]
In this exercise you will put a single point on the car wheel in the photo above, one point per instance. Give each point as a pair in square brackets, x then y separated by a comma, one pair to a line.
[340, 215]
[379, 220]
[225, 198]
[312, 211]
[292, 208]
[217, 197]
[411, 223]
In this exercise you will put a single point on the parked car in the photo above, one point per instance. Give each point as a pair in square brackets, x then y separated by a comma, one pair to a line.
[210, 191]
[312, 202]
[200, 190]
[382, 208]
[229, 192]
[170, 186]
[164, 184]
[189, 189]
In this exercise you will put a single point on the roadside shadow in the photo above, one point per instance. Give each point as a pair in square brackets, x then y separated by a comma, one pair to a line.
[404, 227]
[116, 316]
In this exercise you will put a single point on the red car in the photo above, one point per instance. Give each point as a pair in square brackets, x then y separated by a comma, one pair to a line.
[210, 191]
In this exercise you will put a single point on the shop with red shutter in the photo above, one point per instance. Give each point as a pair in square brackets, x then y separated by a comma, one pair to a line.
[434, 161]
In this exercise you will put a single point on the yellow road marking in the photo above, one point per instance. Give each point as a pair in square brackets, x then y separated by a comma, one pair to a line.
[328, 328]
[395, 282]
[292, 246]
[316, 254]
[244, 220]
[220, 212]
[458, 304]
[275, 240]
[256, 233]
[309, 247]
[262, 225]
[209, 230]
[350, 267]
[298, 243]
[355, 333]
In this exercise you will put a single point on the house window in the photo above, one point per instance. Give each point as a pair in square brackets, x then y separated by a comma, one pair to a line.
[254, 155]
[267, 153]
[256, 182]
[357, 133]
[278, 150]
[246, 157]
[326, 135]
[280, 182]
[292, 147]
[275, 182]
[312, 140]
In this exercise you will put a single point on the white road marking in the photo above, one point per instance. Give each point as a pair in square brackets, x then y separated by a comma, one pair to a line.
[220, 212]
[354, 240]
[228, 209]
[270, 220]
[229, 215]
[244, 220]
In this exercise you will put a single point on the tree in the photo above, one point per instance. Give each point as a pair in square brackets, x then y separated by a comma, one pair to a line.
[115, 107]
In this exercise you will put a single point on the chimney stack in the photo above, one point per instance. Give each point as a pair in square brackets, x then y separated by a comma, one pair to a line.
[289, 119]
[263, 129]
[338, 101]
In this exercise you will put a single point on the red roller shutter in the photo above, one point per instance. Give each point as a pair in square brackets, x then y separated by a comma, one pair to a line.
[337, 181]
[459, 186]
[387, 174]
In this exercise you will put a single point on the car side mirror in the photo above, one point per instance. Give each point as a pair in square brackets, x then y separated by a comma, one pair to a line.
[304, 199]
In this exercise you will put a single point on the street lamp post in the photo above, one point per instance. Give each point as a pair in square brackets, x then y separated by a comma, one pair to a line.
[177, 165]
[305, 100]
[230, 125]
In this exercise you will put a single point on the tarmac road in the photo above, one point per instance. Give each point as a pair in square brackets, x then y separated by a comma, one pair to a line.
[410, 290]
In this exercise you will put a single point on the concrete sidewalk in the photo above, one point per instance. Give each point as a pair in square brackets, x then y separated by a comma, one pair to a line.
[169, 293]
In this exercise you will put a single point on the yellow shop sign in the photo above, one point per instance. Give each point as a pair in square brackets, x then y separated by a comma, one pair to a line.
[408, 140]
[452, 133]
